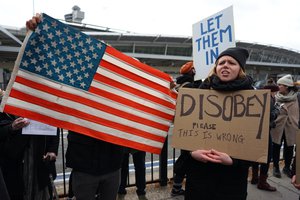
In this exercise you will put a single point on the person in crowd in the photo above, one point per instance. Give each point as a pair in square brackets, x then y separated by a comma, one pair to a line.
[212, 174]
[263, 168]
[95, 164]
[140, 172]
[286, 124]
[185, 80]
[95, 167]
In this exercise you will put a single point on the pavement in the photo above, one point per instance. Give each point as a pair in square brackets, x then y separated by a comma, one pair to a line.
[285, 191]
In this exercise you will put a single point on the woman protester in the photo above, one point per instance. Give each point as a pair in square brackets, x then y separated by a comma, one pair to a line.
[286, 124]
[211, 174]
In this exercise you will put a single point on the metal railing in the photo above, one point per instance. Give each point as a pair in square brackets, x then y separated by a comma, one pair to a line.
[159, 168]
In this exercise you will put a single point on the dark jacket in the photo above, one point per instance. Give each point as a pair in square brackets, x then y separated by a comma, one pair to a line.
[187, 80]
[13, 147]
[92, 156]
[216, 181]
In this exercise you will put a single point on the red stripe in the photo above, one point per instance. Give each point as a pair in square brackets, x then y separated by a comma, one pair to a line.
[84, 130]
[133, 91]
[88, 102]
[85, 116]
[134, 77]
[146, 68]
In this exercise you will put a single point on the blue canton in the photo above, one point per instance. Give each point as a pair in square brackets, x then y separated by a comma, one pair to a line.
[62, 54]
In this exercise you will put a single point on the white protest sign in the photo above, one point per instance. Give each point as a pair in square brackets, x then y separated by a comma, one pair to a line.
[38, 128]
[211, 36]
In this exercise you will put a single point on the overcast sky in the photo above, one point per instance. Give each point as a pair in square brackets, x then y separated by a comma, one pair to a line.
[269, 22]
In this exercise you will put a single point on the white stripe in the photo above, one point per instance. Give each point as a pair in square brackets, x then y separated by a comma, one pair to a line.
[93, 97]
[74, 120]
[87, 109]
[134, 70]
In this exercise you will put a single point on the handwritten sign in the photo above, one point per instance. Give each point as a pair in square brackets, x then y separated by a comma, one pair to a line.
[233, 122]
[211, 36]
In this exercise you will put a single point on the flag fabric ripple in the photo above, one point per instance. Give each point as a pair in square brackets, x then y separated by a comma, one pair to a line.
[70, 80]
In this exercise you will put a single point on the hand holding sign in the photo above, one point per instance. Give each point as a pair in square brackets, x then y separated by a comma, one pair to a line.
[20, 123]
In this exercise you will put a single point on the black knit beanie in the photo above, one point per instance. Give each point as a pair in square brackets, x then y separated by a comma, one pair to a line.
[239, 54]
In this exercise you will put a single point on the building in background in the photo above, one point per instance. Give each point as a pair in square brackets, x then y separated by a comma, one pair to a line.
[166, 53]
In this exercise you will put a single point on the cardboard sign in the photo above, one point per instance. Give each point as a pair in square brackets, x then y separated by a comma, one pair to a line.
[236, 123]
[211, 36]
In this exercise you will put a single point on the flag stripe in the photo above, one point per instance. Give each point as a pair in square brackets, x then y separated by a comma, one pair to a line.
[134, 63]
[150, 147]
[82, 101]
[133, 77]
[157, 77]
[132, 90]
[129, 102]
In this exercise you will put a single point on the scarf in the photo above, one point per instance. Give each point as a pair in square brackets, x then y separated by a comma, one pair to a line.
[291, 96]
[214, 82]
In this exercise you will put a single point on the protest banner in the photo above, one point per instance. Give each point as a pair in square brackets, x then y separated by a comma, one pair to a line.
[236, 123]
[211, 36]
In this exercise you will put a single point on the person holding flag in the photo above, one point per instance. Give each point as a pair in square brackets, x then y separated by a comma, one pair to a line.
[105, 99]
[95, 164]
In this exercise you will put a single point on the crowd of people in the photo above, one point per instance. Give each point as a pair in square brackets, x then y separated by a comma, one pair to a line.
[100, 169]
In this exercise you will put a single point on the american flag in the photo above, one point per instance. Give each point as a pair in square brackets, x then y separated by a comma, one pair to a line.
[67, 79]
